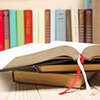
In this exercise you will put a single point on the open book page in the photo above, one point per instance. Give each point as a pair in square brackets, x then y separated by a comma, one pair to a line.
[8, 55]
[78, 46]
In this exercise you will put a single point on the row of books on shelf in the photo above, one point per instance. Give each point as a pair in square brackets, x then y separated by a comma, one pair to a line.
[19, 27]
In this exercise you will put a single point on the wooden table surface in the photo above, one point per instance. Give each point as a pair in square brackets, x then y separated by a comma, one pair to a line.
[10, 90]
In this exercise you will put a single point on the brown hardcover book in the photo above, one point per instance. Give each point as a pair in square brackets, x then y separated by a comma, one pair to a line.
[67, 68]
[30, 75]
[68, 25]
[47, 26]
[88, 26]
[6, 29]
[81, 25]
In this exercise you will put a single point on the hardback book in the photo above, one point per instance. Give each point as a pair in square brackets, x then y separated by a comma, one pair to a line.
[52, 25]
[60, 22]
[13, 28]
[88, 26]
[35, 26]
[42, 26]
[65, 67]
[6, 29]
[1, 31]
[28, 26]
[30, 75]
[20, 27]
[47, 25]
[68, 26]
[34, 53]
[81, 25]
[74, 24]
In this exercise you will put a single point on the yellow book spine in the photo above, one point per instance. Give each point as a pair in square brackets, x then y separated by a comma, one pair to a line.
[42, 26]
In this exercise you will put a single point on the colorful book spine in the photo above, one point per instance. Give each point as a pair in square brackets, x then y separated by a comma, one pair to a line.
[81, 25]
[52, 25]
[28, 26]
[42, 26]
[20, 27]
[60, 25]
[6, 29]
[68, 26]
[87, 4]
[74, 23]
[1, 31]
[88, 26]
[13, 28]
[35, 26]
[47, 26]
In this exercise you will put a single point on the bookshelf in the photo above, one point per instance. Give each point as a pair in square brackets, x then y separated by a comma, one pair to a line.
[40, 4]
[55, 4]
[96, 9]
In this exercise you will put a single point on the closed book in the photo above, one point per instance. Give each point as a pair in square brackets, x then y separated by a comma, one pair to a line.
[81, 25]
[6, 29]
[42, 26]
[35, 26]
[65, 67]
[68, 26]
[88, 26]
[28, 26]
[30, 75]
[13, 28]
[52, 25]
[74, 24]
[47, 26]
[1, 31]
[20, 27]
[60, 19]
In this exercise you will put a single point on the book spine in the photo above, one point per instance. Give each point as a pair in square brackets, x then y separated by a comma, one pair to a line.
[87, 4]
[88, 26]
[1, 31]
[47, 26]
[13, 28]
[81, 25]
[68, 25]
[60, 25]
[42, 26]
[28, 26]
[52, 25]
[74, 23]
[20, 27]
[6, 29]
[35, 26]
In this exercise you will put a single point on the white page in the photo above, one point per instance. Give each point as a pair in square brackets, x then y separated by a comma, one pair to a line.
[78, 46]
[8, 55]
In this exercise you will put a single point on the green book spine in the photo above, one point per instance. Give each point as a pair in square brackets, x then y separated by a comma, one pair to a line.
[20, 27]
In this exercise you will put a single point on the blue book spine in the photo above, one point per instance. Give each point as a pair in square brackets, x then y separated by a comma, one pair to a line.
[87, 4]
[60, 25]
[13, 28]
[52, 25]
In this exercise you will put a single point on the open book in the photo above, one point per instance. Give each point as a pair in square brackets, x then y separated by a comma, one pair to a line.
[35, 53]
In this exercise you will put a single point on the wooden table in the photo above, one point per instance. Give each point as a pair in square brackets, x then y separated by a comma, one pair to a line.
[10, 90]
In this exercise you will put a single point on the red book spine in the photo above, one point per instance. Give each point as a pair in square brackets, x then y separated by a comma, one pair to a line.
[81, 25]
[1, 31]
[28, 26]
[88, 26]
[47, 26]
[6, 29]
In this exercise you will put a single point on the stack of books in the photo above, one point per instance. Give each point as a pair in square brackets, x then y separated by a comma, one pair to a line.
[51, 64]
